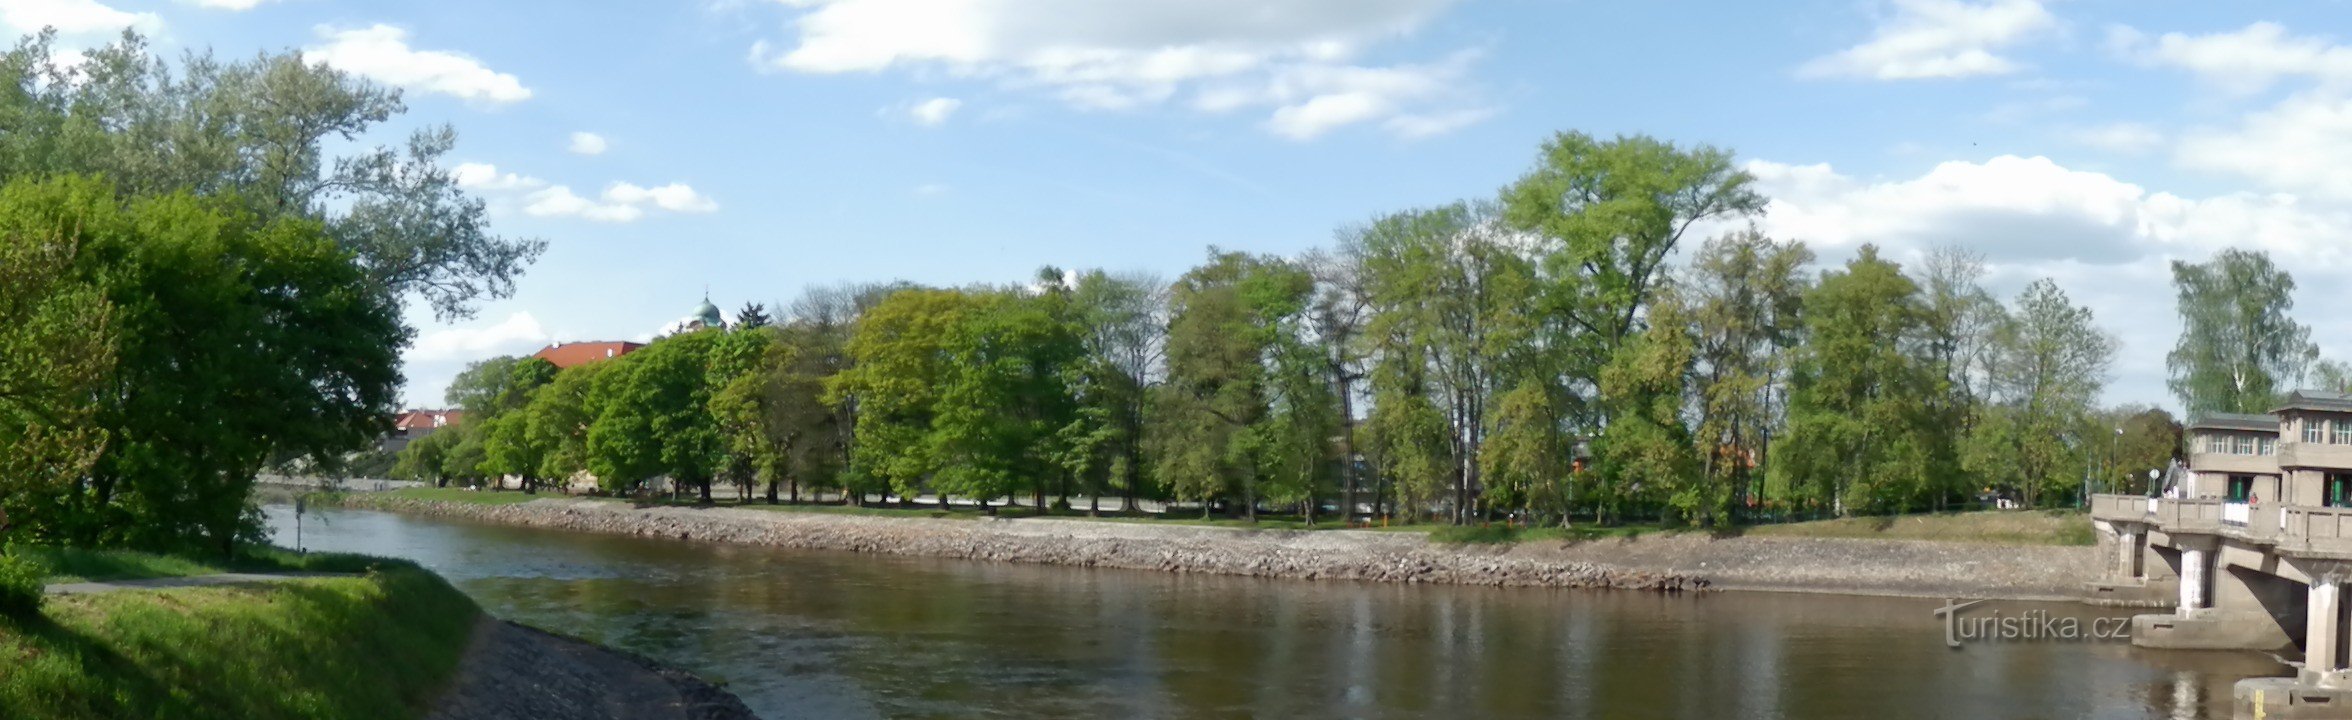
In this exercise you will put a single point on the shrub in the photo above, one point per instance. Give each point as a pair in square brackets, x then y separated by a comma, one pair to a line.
[21, 583]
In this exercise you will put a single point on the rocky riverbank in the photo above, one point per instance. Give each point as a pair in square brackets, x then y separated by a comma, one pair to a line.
[1663, 562]
[515, 672]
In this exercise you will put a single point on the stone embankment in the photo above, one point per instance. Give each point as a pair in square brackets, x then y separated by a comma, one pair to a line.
[1665, 562]
[515, 672]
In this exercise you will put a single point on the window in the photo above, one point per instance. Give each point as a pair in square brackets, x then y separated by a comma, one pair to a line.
[2343, 431]
[2240, 487]
[2269, 446]
[2245, 444]
[2339, 490]
[2312, 432]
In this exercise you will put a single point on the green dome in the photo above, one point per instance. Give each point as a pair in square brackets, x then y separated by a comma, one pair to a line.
[708, 315]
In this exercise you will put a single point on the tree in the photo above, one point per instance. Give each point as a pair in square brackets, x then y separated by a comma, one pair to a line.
[2151, 440]
[655, 417]
[1610, 213]
[56, 355]
[1234, 327]
[1747, 294]
[2053, 362]
[2238, 347]
[1122, 318]
[1859, 434]
[260, 130]
[752, 316]
[1645, 453]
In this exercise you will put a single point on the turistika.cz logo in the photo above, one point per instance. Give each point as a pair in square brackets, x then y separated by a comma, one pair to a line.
[1992, 625]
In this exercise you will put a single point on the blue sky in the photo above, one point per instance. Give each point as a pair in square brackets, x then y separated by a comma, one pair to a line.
[755, 147]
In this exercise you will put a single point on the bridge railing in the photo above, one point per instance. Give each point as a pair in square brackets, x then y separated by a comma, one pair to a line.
[2189, 514]
[2317, 529]
[2135, 508]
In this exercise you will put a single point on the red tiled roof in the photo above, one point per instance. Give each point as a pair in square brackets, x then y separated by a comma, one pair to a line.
[565, 355]
[427, 419]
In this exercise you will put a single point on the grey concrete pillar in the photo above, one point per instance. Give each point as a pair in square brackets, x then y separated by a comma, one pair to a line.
[2196, 564]
[2322, 628]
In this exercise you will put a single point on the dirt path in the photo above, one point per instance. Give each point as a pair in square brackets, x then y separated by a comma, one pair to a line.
[86, 588]
[515, 672]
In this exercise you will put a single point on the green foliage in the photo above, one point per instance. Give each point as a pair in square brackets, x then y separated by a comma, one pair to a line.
[1235, 368]
[22, 582]
[1646, 453]
[260, 130]
[1860, 435]
[56, 355]
[238, 340]
[2238, 348]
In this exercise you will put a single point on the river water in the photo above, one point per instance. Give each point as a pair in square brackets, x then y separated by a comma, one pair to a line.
[800, 634]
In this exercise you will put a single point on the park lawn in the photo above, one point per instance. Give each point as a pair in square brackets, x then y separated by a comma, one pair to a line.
[1997, 527]
[381, 645]
[65, 565]
[475, 497]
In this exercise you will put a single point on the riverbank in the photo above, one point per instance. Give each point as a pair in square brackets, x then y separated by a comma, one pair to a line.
[1660, 562]
[123, 634]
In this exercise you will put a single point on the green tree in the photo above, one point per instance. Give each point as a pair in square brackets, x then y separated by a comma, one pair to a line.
[1233, 323]
[1610, 213]
[1645, 454]
[1858, 435]
[1747, 292]
[56, 355]
[901, 364]
[655, 418]
[1124, 334]
[2053, 362]
[264, 130]
[2238, 347]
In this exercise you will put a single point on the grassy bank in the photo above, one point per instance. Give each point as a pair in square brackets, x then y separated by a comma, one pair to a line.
[1986, 527]
[2013, 527]
[380, 645]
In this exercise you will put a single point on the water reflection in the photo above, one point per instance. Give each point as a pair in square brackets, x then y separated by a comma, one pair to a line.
[824, 635]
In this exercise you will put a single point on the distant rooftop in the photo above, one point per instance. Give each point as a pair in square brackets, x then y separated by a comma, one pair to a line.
[2321, 400]
[566, 355]
[2234, 421]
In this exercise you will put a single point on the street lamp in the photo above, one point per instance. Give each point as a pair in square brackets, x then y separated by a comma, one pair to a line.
[2112, 443]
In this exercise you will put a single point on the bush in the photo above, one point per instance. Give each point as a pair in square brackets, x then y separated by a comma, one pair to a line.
[22, 582]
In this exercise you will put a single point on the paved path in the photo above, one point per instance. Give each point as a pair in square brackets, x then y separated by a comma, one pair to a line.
[86, 588]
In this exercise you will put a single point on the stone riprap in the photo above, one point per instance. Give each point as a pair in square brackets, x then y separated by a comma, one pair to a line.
[1659, 562]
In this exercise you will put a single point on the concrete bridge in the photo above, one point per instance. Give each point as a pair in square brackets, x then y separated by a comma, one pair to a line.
[2251, 549]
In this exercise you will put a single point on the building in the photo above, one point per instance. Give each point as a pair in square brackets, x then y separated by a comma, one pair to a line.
[565, 355]
[412, 424]
[2251, 548]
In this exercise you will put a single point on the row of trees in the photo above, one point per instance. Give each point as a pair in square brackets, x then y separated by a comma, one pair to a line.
[1538, 355]
[194, 286]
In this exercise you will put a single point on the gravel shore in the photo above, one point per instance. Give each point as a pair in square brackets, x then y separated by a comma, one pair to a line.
[1661, 562]
[515, 672]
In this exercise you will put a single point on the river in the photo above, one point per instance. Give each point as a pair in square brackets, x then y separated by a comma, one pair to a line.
[801, 634]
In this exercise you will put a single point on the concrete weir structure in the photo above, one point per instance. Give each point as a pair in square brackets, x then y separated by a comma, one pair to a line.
[2251, 548]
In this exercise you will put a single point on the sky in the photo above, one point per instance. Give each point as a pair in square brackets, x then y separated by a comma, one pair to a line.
[749, 149]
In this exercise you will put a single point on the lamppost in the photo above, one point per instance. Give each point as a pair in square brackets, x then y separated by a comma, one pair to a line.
[2112, 443]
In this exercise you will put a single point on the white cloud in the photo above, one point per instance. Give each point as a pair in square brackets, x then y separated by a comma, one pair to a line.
[621, 202]
[484, 176]
[230, 5]
[587, 143]
[2303, 143]
[560, 201]
[2019, 209]
[931, 190]
[1293, 59]
[2245, 61]
[933, 112]
[674, 197]
[73, 17]
[381, 52]
[2106, 241]
[519, 332]
[2125, 138]
[1925, 39]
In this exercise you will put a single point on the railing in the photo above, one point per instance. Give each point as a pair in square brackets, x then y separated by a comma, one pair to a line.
[2235, 514]
[2122, 507]
[2316, 529]
[2189, 515]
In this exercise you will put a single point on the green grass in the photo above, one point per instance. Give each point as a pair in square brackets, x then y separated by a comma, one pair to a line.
[382, 645]
[460, 495]
[63, 564]
[1997, 527]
